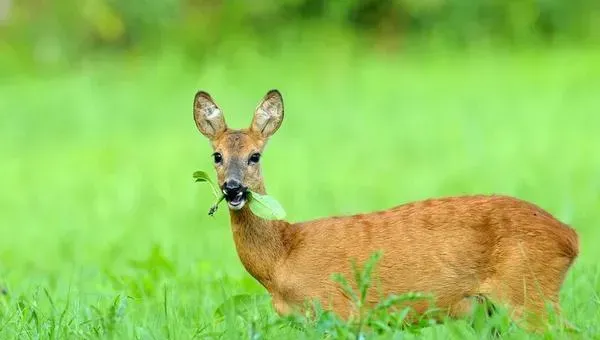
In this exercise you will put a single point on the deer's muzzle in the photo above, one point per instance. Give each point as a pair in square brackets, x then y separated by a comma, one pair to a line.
[235, 193]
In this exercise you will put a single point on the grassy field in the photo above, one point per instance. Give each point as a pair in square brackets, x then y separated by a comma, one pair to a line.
[103, 232]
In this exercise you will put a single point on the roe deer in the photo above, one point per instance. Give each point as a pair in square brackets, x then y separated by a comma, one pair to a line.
[455, 249]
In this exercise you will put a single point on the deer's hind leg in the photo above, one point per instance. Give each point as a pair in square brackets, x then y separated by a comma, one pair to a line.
[467, 306]
[529, 289]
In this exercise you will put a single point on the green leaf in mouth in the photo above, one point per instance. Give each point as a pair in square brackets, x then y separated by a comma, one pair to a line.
[214, 207]
[265, 206]
[202, 176]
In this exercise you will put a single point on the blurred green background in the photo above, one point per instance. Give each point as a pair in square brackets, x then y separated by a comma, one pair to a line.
[45, 32]
[102, 230]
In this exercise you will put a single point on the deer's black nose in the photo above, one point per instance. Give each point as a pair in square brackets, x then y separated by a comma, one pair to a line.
[232, 187]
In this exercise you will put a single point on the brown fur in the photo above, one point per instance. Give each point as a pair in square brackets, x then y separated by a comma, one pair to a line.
[457, 248]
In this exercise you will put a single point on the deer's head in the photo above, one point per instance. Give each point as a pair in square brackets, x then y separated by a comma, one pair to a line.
[237, 153]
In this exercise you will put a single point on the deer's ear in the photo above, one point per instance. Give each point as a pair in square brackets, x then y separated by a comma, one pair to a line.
[208, 116]
[268, 115]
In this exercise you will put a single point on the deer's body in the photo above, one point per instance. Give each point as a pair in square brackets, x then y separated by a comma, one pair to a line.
[458, 248]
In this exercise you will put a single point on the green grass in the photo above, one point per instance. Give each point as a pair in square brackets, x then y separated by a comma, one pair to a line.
[104, 233]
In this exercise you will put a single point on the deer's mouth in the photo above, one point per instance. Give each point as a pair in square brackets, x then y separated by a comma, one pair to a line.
[236, 200]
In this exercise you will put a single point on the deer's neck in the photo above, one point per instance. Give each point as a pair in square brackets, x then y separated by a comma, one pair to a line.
[259, 243]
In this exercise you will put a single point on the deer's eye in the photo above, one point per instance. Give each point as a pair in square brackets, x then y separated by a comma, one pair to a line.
[254, 158]
[217, 157]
